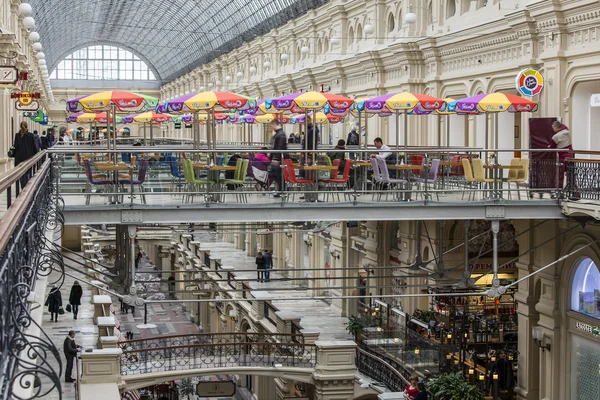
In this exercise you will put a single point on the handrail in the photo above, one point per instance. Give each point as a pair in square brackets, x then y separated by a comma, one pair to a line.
[8, 222]
[274, 344]
[393, 370]
[14, 174]
[210, 334]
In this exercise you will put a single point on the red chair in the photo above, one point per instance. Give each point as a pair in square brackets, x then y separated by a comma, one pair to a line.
[416, 160]
[290, 176]
[338, 183]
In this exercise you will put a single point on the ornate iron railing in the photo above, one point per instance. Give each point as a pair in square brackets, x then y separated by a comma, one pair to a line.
[30, 364]
[182, 352]
[583, 179]
[380, 370]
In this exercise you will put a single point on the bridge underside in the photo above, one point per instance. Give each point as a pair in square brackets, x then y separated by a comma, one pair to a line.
[131, 382]
[286, 212]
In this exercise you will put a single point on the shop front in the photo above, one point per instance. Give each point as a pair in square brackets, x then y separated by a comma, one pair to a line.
[583, 334]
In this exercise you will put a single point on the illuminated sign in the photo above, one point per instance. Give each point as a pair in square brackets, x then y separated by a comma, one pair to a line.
[593, 330]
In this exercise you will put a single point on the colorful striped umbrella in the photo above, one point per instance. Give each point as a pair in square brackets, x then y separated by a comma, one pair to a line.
[151, 116]
[496, 102]
[312, 101]
[404, 102]
[124, 101]
[319, 118]
[88, 118]
[265, 119]
[207, 101]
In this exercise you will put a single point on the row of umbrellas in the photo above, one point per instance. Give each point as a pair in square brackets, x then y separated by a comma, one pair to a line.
[213, 107]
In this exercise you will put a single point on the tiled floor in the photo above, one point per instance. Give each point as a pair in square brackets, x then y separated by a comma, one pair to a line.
[316, 315]
[86, 331]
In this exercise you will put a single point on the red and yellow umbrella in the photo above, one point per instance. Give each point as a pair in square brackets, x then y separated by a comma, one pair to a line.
[88, 118]
[207, 101]
[312, 101]
[124, 101]
[495, 102]
[420, 103]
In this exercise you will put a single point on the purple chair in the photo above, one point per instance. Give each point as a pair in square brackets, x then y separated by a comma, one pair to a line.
[91, 181]
[430, 177]
[141, 178]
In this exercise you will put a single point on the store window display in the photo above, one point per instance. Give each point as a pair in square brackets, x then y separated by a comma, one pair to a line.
[585, 289]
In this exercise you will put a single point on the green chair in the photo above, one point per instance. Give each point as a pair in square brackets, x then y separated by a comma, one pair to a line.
[239, 179]
[190, 177]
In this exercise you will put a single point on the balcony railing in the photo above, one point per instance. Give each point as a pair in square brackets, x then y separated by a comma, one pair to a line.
[184, 352]
[30, 363]
[180, 177]
[381, 371]
[583, 180]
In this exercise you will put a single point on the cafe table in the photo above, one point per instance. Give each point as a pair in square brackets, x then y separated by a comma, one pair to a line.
[214, 178]
[497, 172]
[114, 170]
[314, 176]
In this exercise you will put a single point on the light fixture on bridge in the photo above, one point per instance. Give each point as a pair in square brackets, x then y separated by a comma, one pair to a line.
[369, 29]
[34, 37]
[37, 46]
[335, 40]
[233, 315]
[284, 57]
[239, 74]
[267, 64]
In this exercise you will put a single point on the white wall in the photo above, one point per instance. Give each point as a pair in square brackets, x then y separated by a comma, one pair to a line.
[586, 120]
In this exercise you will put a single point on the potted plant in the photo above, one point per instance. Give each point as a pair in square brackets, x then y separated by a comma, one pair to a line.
[186, 388]
[452, 386]
[355, 326]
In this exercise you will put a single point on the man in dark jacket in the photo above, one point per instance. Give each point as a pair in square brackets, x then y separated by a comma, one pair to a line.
[278, 142]
[353, 141]
[25, 148]
[75, 298]
[70, 350]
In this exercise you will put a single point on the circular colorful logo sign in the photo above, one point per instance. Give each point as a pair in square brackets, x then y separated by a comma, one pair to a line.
[529, 82]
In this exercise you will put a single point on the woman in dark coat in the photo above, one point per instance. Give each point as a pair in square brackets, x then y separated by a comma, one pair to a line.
[75, 298]
[54, 303]
[25, 148]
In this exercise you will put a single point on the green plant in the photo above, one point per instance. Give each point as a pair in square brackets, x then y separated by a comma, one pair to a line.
[186, 388]
[424, 315]
[452, 386]
[355, 326]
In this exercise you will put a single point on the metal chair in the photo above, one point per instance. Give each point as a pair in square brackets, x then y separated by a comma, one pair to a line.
[430, 178]
[384, 174]
[141, 178]
[91, 181]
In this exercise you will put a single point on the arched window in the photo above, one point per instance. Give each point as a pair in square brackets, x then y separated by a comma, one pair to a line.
[351, 36]
[298, 54]
[585, 288]
[430, 13]
[320, 47]
[103, 63]
[450, 8]
[391, 25]
[326, 45]
[359, 33]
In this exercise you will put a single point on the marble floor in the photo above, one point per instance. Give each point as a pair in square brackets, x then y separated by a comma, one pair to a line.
[85, 330]
[316, 314]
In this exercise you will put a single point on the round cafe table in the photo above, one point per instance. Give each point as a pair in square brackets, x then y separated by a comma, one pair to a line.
[313, 196]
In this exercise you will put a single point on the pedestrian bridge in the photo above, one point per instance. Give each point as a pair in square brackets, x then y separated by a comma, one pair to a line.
[95, 191]
[141, 363]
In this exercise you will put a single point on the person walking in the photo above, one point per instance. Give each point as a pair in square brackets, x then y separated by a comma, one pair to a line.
[70, 349]
[278, 142]
[353, 140]
[268, 262]
[75, 298]
[260, 267]
[24, 149]
[54, 303]
[44, 141]
[37, 141]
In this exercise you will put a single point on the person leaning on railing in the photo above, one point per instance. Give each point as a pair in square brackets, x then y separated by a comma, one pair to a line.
[561, 140]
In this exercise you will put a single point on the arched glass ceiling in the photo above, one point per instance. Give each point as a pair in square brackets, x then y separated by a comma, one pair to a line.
[102, 62]
[173, 36]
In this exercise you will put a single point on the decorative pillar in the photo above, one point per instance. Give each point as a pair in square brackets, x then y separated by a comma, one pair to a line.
[335, 371]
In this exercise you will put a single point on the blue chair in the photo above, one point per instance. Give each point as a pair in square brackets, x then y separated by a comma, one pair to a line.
[175, 174]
